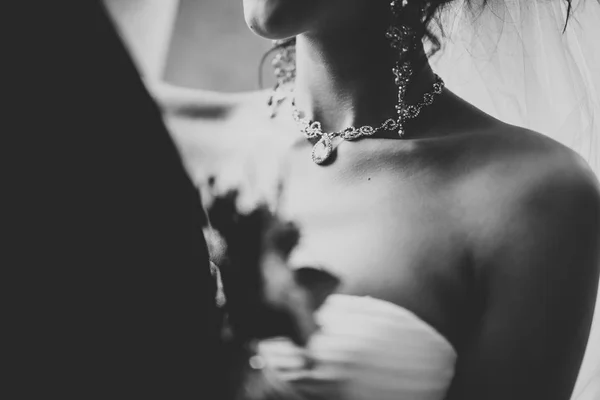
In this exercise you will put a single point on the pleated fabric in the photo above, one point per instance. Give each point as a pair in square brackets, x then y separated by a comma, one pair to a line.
[366, 349]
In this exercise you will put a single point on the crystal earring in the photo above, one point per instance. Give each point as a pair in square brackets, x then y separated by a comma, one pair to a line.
[403, 39]
[284, 67]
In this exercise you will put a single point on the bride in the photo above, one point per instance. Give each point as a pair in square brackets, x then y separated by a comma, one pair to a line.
[467, 248]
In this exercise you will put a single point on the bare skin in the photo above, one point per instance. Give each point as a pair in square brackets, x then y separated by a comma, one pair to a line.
[488, 232]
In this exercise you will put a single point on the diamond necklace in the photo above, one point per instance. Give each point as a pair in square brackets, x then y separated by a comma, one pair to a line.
[323, 149]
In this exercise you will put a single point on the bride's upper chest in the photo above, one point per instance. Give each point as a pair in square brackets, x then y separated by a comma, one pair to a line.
[367, 205]
[383, 222]
[366, 221]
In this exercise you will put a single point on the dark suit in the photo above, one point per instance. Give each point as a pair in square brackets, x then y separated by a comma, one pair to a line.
[159, 330]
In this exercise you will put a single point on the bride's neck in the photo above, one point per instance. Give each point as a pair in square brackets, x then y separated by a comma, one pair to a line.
[345, 78]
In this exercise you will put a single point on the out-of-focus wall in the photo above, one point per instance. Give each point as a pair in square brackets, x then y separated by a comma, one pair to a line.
[203, 44]
[213, 49]
[146, 27]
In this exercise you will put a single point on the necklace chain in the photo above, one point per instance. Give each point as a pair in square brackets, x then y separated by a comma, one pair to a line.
[404, 39]
[324, 147]
[312, 129]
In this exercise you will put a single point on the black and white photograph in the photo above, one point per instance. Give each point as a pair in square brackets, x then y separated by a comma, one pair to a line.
[345, 199]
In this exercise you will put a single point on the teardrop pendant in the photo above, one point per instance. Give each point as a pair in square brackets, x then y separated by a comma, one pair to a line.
[322, 150]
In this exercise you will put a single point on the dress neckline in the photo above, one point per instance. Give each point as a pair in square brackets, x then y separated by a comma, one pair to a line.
[395, 308]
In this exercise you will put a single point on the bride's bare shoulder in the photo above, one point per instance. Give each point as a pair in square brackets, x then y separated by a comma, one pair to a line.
[176, 101]
[517, 160]
[527, 152]
[524, 179]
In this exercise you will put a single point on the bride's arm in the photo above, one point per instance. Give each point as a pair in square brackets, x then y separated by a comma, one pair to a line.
[537, 256]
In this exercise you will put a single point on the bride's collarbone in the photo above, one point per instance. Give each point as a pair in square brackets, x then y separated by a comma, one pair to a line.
[216, 130]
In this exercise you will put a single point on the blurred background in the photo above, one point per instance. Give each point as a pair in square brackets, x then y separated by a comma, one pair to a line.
[202, 44]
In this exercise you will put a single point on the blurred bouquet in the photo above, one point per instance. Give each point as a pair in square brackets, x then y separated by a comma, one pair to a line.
[263, 296]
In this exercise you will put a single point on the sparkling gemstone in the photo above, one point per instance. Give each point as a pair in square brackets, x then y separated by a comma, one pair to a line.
[314, 129]
[390, 124]
[350, 133]
[367, 130]
[322, 150]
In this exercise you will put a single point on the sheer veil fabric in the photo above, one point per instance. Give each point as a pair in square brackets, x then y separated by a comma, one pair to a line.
[517, 61]
[512, 59]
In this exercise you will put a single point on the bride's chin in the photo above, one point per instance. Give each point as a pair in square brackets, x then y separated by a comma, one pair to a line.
[276, 19]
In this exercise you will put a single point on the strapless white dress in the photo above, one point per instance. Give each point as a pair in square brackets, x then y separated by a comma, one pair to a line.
[366, 349]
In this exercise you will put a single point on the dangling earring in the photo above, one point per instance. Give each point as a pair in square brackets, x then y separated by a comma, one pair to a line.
[284, 66]
[403, 39]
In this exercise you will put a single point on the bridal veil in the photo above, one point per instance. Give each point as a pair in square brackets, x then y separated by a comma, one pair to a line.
[524, 63]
